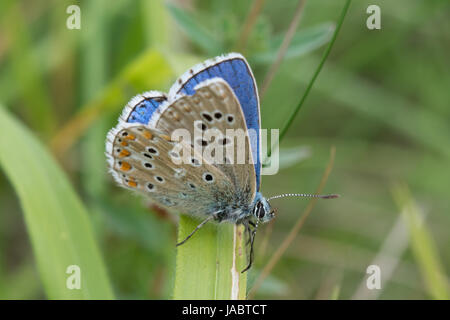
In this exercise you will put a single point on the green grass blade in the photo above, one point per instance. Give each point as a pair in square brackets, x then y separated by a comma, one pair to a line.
[302, 43]
[209, 264]
[316, 74]
[197, 33]
[59, 227]
[423, 245]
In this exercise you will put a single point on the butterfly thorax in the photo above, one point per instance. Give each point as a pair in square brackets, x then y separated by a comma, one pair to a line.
[233, 206]
[240, 211]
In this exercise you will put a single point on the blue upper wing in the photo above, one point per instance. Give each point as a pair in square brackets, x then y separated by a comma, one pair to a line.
[234, 69]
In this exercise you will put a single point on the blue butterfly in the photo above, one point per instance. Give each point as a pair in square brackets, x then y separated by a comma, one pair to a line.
[207, 102]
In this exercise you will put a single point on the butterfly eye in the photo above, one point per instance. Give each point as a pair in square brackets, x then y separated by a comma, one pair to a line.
[261, 213]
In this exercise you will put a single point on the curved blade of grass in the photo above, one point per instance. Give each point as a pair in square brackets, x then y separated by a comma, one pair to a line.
[59, 227]
[209, 264]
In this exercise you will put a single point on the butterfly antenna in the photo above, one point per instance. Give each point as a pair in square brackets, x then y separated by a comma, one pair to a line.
[305, 195]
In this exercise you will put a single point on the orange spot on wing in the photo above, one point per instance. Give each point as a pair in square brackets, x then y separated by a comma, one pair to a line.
[125, 166]
[130, 137]
[124, 143]
[124, 153]
[132, 184]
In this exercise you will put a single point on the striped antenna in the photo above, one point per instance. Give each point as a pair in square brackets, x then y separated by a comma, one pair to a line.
[305, 195]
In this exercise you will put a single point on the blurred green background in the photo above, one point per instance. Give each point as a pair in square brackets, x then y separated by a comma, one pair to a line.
[382, 99]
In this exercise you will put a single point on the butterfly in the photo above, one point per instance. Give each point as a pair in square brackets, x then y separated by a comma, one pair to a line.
[214, 172]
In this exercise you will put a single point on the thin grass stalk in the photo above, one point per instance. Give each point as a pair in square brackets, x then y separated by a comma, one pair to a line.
[313, 79]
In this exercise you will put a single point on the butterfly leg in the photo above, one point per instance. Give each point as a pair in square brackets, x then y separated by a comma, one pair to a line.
[249, 230]
[252, 234]
[196, 228]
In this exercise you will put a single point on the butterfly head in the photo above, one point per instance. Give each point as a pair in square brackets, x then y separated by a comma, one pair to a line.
[262, 210]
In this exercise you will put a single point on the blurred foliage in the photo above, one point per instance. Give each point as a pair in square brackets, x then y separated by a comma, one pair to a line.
[382, 99]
